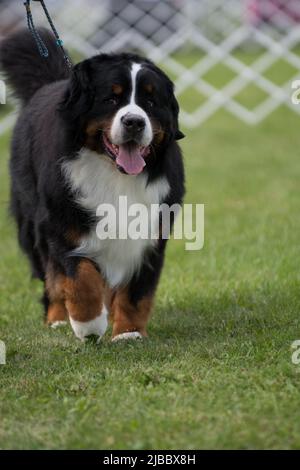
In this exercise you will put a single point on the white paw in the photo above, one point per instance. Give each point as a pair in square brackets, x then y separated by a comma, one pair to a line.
[58, 323]
[126, 336]
[97, 326]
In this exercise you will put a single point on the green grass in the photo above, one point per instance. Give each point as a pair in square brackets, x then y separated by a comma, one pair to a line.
[216, 371]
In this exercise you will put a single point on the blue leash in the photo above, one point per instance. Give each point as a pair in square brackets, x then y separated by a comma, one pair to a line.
[39, 42]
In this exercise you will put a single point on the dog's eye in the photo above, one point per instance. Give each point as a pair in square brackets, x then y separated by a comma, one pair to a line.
[150, 103]
[112, 100]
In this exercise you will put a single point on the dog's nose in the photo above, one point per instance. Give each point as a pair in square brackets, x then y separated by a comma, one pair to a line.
[133, 123]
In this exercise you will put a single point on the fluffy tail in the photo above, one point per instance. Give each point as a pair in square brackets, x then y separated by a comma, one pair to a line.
[25, 70]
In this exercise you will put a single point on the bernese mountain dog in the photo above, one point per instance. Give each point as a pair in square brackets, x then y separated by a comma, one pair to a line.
[86, 136]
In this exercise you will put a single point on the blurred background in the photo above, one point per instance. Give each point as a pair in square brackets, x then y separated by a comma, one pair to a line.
[240, 55]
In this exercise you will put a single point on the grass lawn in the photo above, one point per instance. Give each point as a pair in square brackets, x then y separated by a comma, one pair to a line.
[216, 371]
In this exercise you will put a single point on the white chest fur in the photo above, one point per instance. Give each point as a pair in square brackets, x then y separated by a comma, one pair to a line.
[99, 182]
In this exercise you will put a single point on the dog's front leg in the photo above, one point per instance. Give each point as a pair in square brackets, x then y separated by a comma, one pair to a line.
[84, 300]
[130, 318]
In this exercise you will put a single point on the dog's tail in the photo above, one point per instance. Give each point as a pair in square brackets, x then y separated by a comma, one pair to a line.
[25, 70]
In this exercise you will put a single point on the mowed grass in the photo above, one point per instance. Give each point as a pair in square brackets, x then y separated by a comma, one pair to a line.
[216, 371]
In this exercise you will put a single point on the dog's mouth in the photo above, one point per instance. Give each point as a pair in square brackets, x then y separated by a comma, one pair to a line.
[129, 157]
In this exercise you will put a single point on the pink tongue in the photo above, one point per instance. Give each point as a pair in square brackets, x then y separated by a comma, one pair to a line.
[130, 159]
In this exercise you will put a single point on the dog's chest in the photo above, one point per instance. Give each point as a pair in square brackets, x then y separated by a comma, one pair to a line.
[98, 182]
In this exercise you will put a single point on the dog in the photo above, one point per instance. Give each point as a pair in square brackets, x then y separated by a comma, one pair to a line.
[86, 136]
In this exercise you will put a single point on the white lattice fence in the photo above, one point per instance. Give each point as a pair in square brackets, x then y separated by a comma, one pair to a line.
[240, 55]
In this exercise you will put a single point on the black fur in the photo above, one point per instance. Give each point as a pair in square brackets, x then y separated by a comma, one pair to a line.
[25, 69]
[51, 129]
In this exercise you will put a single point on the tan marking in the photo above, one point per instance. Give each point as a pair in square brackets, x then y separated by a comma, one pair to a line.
[127, 317]
[56, 312]
[73, 236]
[149, 88]
[159, 133]
[82, 296]
[117, 89]
[93, 133]
[159, 137]
[95, 126]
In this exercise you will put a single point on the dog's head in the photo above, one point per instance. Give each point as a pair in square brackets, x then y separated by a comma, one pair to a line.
[122, 106]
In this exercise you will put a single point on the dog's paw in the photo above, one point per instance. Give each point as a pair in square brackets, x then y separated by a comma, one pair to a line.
[127, 336]
[58, 324]
[96, 327]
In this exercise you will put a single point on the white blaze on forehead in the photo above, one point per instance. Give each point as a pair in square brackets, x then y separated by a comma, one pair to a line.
[116, 132]
[135, 68]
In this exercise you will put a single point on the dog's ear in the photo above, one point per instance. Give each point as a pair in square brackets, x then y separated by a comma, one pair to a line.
[79, 96]
[179, 135]
[175, 111]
